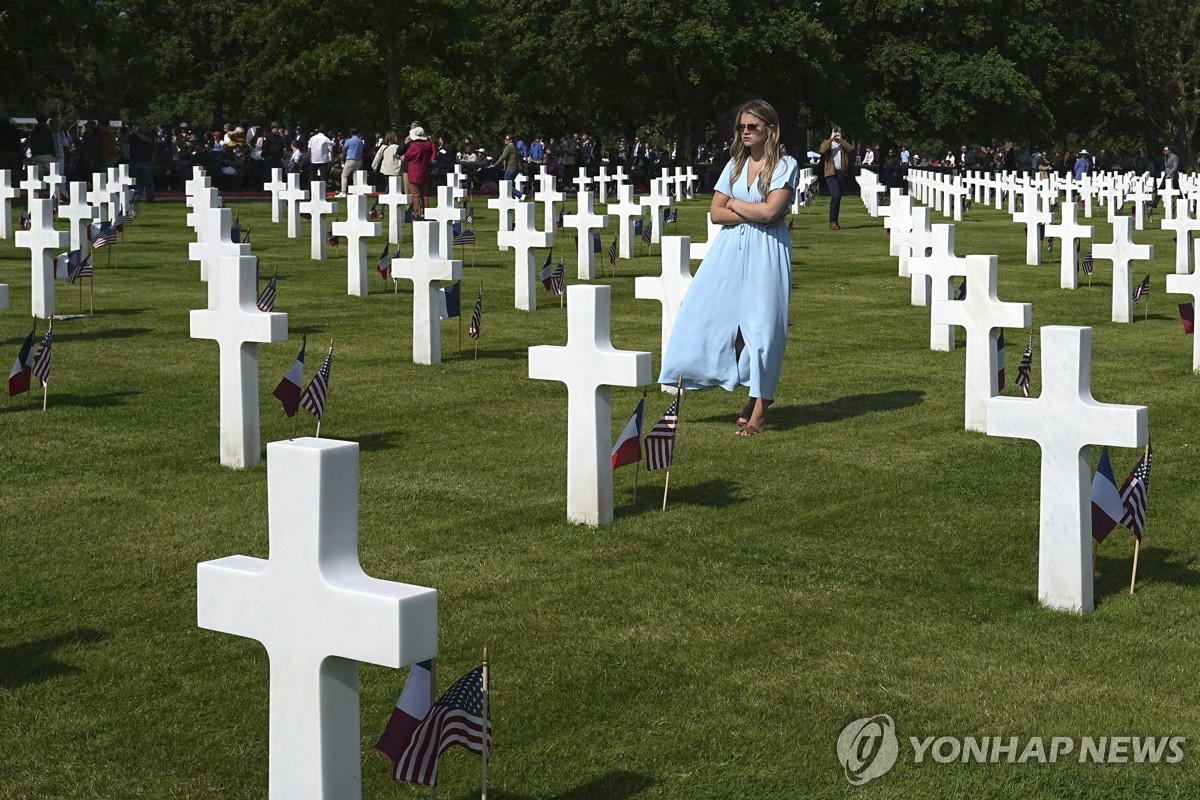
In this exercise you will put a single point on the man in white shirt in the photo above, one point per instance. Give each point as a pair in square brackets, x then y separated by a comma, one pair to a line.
[320, 147]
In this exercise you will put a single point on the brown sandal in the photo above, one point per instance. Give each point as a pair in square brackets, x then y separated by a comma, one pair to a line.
[744, 419]
[748, 430]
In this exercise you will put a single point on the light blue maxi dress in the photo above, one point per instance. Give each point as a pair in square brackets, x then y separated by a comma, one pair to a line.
[743, 284]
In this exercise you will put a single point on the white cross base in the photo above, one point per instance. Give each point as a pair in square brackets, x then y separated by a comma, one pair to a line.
[980, 314]
[426, 266]
[1066, 421]
[670, 287]
[235, 322]
[317, 614]
[589, 365]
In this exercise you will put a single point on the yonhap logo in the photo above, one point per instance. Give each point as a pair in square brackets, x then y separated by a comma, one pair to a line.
[868, 748]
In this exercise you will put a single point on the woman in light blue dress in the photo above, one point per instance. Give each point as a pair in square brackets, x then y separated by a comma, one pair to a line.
[732, 326]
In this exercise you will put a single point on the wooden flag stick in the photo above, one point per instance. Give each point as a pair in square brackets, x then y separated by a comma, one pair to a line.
[433, 696]
[1137, 549]
[484, 723]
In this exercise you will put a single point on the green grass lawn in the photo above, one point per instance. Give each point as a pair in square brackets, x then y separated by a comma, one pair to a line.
[865, 555]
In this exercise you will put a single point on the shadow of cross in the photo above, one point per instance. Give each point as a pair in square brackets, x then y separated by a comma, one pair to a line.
[317, 614]
[1066, 421]
[35, 661]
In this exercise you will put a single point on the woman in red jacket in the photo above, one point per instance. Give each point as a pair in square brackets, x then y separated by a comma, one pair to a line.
[416, 161]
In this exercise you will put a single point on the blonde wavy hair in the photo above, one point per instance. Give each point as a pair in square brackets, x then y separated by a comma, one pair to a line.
[739, 152]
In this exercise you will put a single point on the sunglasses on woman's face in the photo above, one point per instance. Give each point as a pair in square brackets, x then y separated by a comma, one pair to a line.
[752, 127]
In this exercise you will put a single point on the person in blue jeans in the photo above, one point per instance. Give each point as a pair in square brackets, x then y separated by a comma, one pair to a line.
[836, 158]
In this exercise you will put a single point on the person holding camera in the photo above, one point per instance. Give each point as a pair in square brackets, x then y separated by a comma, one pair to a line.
[836, 158]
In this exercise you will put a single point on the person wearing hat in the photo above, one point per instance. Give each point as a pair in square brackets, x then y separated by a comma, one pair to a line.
[1082, 165]
[416, 161]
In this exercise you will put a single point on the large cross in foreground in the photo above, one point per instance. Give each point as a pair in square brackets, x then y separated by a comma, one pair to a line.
[43, 242]
[1066, 421]
[589, 366]
[317, 614]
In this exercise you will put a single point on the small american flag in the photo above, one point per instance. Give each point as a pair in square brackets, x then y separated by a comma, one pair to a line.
[25, 220]
[1000, 361]
[82, 269]
[612, 252]
[266, 300]
[466, 237]
[476, 316]
[1133, 494]
[1142, 288]
[246, 238]
[471, 215]
[660, 442]
[558, 223]
[331, 239]
[456, 718]
[1088, 266]
[648, 231]
[313, 399]
[1025, 369]
[373, 213]
[558, 284]
[672, 216]
[104, 236]
[41, 360]
[235, 231]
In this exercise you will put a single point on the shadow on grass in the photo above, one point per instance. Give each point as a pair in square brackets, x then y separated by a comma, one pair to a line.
[1155, 564]
[72, 400]
[114, 333]
[384, 440]
[720, 493]
[33, 662]
[784, 417]
[305, 330]
[618, 785]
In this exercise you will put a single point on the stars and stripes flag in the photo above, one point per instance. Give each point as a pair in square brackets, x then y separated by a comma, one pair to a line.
[266, 300]
[660, 442]
[235, 231]
[558, 223]
[1088, 266]
[466, 237]
[612, 253]
[648, 231]
[246, 238]
[22, 368]
[1142, 289]
[82, 268]
[471, 214]
[1000, 361]
[1106, 499]
[41, 361]
[313, 399]
[455, 719]
[1134, 494]
[123, 218]
[25, 220]
[476, 316]
[558, 283]
[628, 449]
[672, 216]
[1025, 370]
[102, 234]
[288, 390]
[385, 261]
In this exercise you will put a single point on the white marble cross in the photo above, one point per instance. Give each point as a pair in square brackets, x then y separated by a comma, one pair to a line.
[360, 185]
[506, 204]
[582, 181]
[897, 219]
[444, 215]
[317, 614]
[1188, 284]
[584, 221]
[292, 196]
[33, 183]
[100, 197]
[44, 243]
[276, 186]
[602, 179]
[1068, 231]
[980, 314]
[1121, 251]
[656, 201]
[524, 240]
[548, 195]
[214, 241]
[940, 268]
[357, 229]
[53, 180]
[625, 209]
[78, 213]
[393, 200]
[235, 322]
[317, 207]
[589, 365]
[669, 287]
[426, 266]
[1141, 196]
[1066, 421]
[914, 240]
[7, 195]
[699, 250]
[1184, 225]
[1032, 216]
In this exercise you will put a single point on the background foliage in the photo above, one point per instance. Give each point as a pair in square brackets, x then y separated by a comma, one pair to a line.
[1092, 73]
